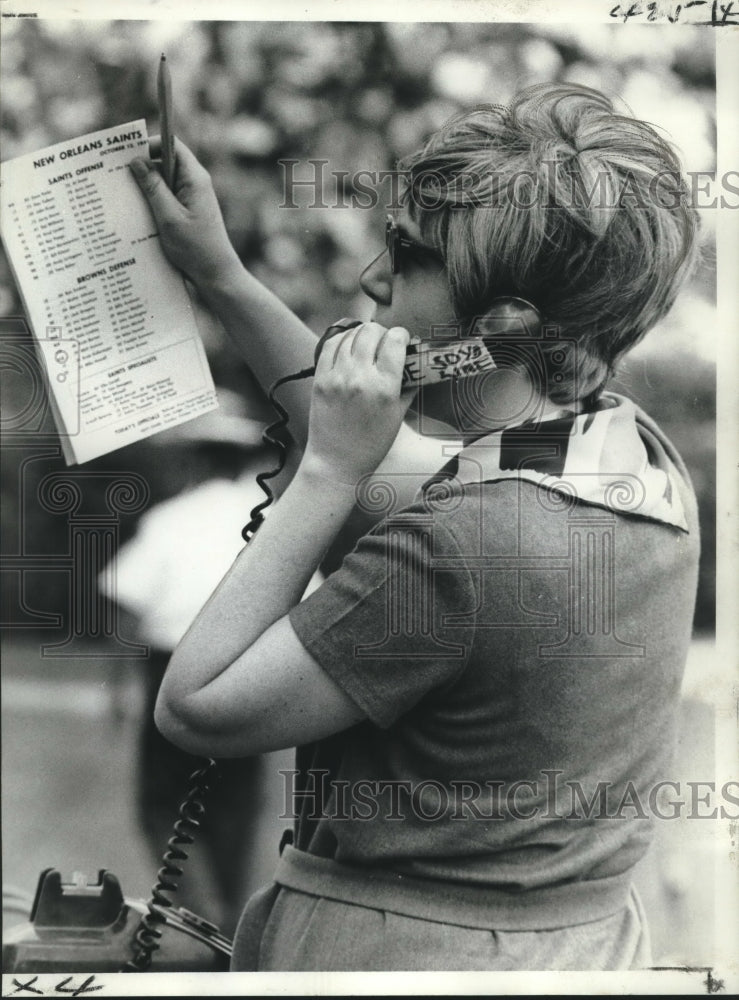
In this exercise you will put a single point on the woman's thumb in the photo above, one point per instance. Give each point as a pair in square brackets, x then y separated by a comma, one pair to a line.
[149, 180]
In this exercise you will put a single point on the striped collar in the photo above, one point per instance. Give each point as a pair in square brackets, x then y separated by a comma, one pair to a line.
[612, 456]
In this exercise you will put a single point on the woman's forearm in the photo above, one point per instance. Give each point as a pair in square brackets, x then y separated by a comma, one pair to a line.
[241, 681]
[267, 579]
[269, 336]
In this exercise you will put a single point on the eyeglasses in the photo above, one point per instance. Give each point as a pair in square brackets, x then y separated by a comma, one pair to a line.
[397, 243]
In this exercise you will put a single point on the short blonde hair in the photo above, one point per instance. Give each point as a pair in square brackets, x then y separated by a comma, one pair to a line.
[558, 199]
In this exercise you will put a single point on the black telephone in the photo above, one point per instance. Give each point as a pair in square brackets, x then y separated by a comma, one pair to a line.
[449, 354]
[89, 926]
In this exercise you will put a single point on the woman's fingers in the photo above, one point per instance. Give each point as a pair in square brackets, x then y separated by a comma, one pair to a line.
[357, 404]
[189, 170]
[339, 348]
[364, 352]
[361, 349]
[328, 353]
[392, 350]
[193, 192]
[371, 345]
[152, 184]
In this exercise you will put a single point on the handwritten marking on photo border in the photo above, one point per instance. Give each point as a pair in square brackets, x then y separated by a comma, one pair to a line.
[692, 12]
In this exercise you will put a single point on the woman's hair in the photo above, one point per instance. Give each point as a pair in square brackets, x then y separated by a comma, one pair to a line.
[560, 200]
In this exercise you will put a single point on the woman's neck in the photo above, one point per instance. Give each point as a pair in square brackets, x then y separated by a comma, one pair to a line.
[480, 404]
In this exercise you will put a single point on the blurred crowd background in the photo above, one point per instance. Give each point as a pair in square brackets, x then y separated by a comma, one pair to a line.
[249, 94]
[359, 95]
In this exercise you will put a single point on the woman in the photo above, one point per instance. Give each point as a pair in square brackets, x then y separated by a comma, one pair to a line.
[483, 694]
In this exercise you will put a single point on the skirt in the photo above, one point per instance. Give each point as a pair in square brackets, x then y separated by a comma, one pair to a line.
[284, 929]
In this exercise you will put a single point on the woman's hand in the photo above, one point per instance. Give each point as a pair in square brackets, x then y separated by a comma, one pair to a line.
[357, 406]
[189, 218]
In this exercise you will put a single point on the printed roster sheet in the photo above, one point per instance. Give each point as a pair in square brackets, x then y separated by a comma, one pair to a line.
[112, 319]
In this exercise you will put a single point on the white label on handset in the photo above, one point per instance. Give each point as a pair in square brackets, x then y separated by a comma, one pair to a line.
[427, 363]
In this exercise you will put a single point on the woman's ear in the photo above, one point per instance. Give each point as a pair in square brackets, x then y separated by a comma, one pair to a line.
[508, 316]
[511, 330]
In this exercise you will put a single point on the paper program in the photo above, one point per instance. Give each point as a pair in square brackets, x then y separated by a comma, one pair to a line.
[112, 318]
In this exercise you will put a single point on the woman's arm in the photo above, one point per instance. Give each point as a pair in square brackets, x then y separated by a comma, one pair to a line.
[240, 682]
[270, 337]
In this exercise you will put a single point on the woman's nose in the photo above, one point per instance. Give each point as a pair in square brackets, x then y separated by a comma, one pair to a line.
[376, 280]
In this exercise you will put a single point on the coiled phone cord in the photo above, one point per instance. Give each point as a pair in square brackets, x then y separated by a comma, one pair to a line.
[149, 932]
[280, 424]
[268, 436]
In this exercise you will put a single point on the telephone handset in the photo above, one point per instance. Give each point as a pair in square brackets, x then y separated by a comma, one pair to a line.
[450, 356]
